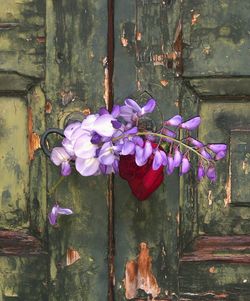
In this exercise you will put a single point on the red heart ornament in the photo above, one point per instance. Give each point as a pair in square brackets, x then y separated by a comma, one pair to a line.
[143, 180]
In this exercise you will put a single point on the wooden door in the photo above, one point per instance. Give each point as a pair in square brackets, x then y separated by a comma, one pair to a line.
[192, 56]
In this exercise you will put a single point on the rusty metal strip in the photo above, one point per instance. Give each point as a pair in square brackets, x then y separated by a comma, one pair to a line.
[110, 194]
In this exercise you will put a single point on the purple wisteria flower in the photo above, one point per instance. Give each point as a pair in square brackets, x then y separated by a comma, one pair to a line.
[96, 144]
[131, 112]
[59, 156]
[57, 210]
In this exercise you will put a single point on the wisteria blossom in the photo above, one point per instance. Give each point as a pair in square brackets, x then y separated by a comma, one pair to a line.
[57, 210]
[116, 142]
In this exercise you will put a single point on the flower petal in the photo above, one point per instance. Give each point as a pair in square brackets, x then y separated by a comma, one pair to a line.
[177, 157]
[115, 111]
[128, 148]
[191, 124]
[211, 173]
[185, 166]
[195, 142]
[84, 148]
[106, 155]
[59, 155]
[65, 169]
[64, 211]
[170, 165]
[201, 172]
[149, 107]
[68, 146]
[216, 148]
[103, 125]
[133, 105]
[87, 167]
[169, 133]
[220, 155]
[157, 162]
[174, 121]
[69, 130]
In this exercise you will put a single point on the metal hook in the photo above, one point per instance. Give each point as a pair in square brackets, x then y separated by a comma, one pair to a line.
[44, 136]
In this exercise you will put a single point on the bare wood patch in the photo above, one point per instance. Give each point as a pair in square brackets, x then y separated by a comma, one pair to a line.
[138, 275]
[18, 243]
[34, 139]
[72, 256]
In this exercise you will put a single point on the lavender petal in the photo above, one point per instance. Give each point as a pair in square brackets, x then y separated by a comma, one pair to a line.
[128, 148]
[157, 162]
[133, 105]
[106, 155]
[59, 155]
[211, 173]
[103, 125]
[84, 148]
[185, 166]
[216, 148]
[69, 130]
[115, 111]
[201, 172]
[174, 121]
[220, 155]
[191, 124]
[170, 165]
[65, 169]
[149, 107]
[87, 167]
[177, 157]
[195, 142]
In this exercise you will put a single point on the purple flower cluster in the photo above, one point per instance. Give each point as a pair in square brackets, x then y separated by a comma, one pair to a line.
[96, 144]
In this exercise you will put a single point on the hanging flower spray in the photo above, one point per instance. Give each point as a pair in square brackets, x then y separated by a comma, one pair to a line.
[105, 143]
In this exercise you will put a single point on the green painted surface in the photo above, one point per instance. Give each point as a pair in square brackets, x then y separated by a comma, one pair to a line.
[215, 215]
[14, 163]
[155, 220]
[76, 48]
[218, 42]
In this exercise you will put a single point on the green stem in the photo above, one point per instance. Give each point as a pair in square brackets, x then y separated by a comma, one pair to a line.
[53, 188]
[168, 137]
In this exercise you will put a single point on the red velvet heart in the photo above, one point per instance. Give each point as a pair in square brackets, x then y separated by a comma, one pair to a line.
[143, 180]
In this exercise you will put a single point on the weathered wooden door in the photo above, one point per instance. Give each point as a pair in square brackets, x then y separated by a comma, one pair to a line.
[56, 59]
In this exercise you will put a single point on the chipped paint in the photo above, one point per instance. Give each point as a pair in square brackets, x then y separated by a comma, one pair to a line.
[86, 112]
[210, 198]
[67, 97]
[228, 187]
[124, 42]
[138, 275]
[34, 139]
[164, 82]
[195, 17]
[106, 82]
[138, 36]
[48, 107]
[72, 256]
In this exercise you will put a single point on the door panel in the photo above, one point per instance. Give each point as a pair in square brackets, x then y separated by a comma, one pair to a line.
[225, 122]
[14, 163]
